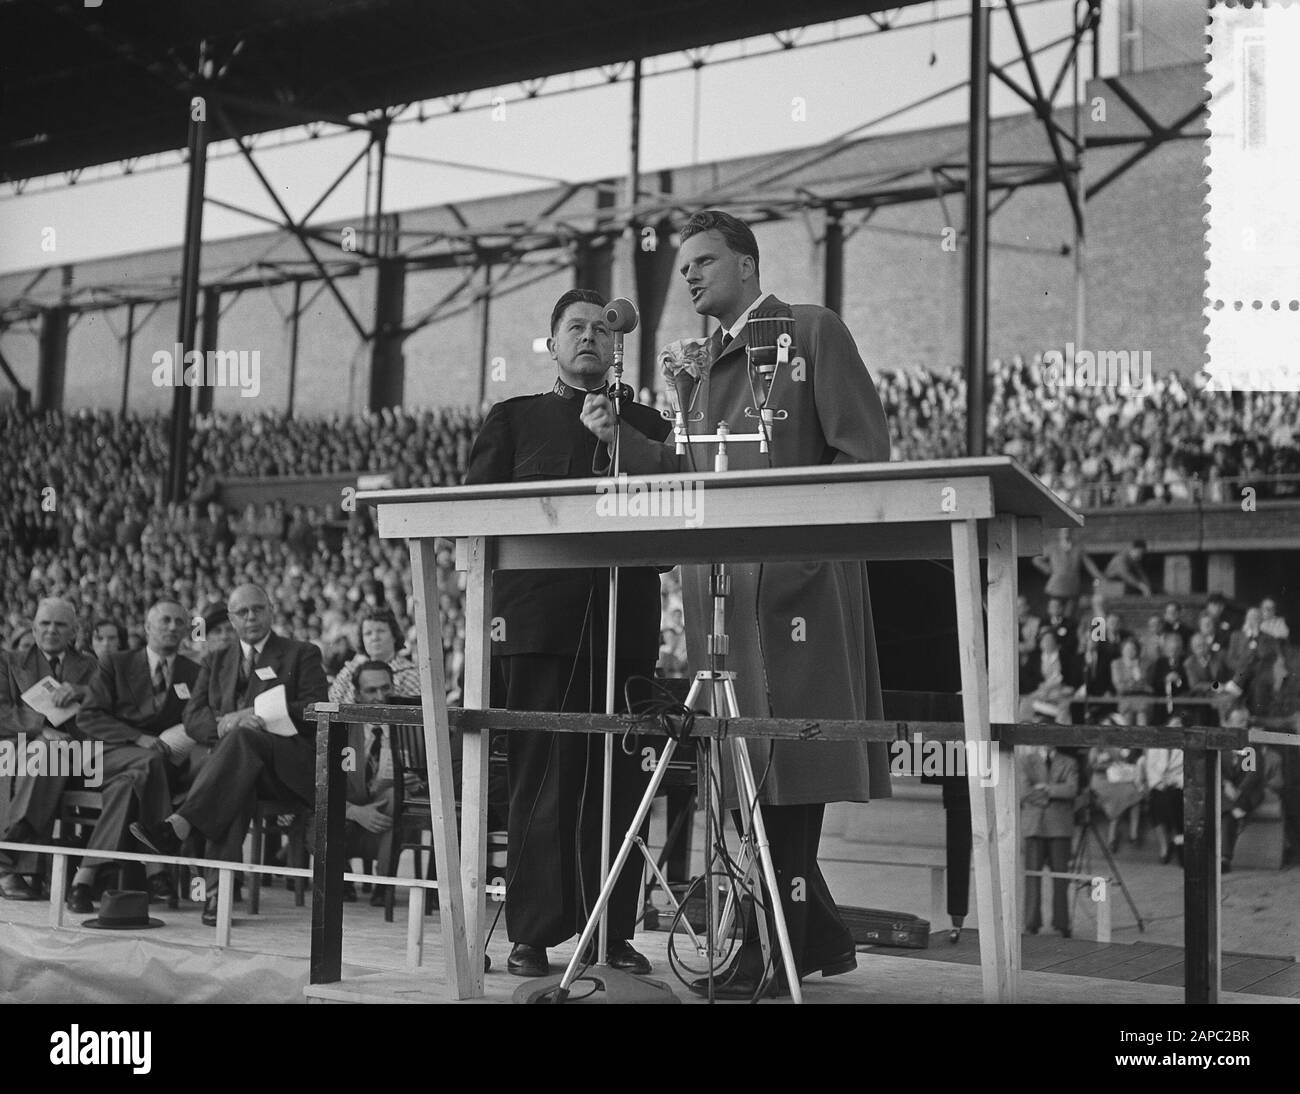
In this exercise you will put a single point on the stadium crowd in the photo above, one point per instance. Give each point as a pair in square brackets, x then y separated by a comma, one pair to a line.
[83, 520]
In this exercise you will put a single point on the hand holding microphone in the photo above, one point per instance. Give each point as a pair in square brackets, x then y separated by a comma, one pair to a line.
[598, 416]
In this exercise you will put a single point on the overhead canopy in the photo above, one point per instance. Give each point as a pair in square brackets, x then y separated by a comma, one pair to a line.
[90, 85]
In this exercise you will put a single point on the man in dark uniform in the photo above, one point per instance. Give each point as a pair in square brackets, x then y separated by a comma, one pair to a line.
[550, 656]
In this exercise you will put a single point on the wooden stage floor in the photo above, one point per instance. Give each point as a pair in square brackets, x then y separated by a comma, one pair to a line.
[1056, 970]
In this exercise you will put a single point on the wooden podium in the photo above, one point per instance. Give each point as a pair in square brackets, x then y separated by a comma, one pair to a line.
[966, 509]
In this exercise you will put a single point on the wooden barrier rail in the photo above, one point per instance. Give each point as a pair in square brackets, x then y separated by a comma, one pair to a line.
[59, 855]
[1201, 746]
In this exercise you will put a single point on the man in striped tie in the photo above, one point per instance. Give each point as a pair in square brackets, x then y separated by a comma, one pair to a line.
[135, 706]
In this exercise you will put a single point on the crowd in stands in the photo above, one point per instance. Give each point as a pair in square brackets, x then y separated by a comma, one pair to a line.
[1080, 663]
[83, 519]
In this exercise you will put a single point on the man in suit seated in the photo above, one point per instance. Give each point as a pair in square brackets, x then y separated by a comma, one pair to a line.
[34, 801]
[1206, 672]
[369, 810]
[135, 707]
[1167, 678]
[248, 761]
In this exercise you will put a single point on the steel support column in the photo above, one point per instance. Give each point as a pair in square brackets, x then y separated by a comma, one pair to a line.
[187, 310]
[53, 358]
[833, 262]
[975, 334]
[209, 330]
[295, 321]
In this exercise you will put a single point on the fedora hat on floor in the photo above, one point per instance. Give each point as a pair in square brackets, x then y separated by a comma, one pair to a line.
[123, 910]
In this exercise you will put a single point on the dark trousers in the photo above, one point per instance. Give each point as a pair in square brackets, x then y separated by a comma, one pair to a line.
[31, 810]
[1055, 852]
[556, 782]
[245, 765]
[135, 786]
[957, 825]
[817, 934]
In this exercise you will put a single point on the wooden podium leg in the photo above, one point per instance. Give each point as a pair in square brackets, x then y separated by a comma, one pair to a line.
[475, 742]
[437, 747]
[995, 961]
[1004, 693]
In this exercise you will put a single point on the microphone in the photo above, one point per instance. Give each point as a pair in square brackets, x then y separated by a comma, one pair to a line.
[621, 316]
[770, 337]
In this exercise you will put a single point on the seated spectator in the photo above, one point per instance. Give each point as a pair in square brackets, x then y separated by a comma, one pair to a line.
[134, 709]
[34, 799]
[1162, 771]
[1278, 709]
[1060, 623]
[1129, 678]
[1172, 622]
[1270, 622]
[1168, 679]
[369, 809]
[248, 760]
[1151, 639]
[1030, 624]
[1206, 673]
[1126, 568]
[1118, 785]
[1047, 683]
[1250, 647]
[381, 640]
[107, 637]
[1215, 645]
[1242, 789]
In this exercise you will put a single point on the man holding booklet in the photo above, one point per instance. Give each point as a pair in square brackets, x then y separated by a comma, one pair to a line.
[40, 692]
[249, 700]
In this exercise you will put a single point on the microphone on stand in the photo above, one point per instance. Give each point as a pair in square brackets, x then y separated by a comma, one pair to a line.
[769, 339]
[622, 317]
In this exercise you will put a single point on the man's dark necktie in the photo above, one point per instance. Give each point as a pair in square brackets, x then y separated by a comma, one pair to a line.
[726, 339]
[56, 667]
[372, 756]
[245, 677]
[160, 679]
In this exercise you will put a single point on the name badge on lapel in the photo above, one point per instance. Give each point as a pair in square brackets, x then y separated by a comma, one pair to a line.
[182, 690]
[264, 673]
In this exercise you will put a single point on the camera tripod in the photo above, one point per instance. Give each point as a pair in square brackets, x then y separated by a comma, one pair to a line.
[1080, 862]
[755, 856]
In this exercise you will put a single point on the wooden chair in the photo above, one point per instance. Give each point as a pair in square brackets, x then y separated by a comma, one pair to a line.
[411, 812]
[293, 821]
[79, 812]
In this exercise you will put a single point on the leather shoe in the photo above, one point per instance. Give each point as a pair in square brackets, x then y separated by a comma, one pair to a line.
[160, 888]
[210, 911]
[15, 887]
[743, 985]
[349, 893]
[834, 965]
[525, 960]
[379, 898]
[79, 900]
[620, 955]
[160, 839]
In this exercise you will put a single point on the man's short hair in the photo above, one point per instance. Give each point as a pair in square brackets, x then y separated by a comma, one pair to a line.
[738, 235]
[1141, 543]
[1216, 598]
[372, 666]
[574, 296]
